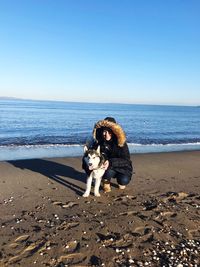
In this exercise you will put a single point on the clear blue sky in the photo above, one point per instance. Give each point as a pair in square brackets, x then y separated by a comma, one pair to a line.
[127, 51]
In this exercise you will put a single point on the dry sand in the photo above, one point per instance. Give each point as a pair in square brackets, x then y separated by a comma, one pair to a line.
[155, 221]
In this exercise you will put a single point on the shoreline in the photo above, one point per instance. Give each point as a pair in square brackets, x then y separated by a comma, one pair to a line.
[44, 221]
[23, 152]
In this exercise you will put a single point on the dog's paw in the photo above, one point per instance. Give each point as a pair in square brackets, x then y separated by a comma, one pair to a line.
[85, 195]
[97, 195]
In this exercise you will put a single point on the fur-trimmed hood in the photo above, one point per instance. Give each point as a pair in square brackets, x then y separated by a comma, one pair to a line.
[114, 127]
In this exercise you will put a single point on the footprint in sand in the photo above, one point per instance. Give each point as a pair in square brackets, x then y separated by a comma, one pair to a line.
[73, 258]
[25, 251]
[67, 225]
[174, 196]
[116, 240]
[150, 204]
[72, 246]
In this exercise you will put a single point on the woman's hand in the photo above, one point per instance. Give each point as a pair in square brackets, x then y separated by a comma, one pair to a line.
[106, 165]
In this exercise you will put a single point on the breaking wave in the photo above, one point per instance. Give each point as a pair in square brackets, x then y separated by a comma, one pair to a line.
[17, 152]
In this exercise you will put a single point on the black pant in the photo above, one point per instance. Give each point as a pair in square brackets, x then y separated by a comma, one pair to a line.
[122, 179]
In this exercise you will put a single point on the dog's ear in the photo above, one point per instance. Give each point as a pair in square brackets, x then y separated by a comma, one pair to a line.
[98, 150]
[85, 149]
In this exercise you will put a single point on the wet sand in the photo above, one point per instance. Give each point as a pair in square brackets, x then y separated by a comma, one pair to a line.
[155, 221]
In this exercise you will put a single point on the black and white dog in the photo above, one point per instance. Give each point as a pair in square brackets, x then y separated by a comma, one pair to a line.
[97, 165]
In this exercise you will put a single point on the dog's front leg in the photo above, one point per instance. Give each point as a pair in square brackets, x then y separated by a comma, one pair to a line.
[97, 186]
[88, 186]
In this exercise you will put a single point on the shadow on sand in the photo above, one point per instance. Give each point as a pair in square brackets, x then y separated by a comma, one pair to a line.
[54, 171]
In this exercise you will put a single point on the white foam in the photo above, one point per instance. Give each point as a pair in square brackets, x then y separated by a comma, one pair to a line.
[14, 152]
[155, 148]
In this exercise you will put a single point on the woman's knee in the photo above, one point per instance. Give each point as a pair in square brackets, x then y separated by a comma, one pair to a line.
[123, 179]
[109, 174]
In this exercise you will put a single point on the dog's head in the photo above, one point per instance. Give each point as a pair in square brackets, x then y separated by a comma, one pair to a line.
[92, 157]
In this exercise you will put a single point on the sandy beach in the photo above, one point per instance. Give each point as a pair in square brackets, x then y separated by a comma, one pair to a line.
[155, 221]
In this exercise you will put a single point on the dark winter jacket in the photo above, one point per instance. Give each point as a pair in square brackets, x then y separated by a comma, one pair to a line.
[115, 150]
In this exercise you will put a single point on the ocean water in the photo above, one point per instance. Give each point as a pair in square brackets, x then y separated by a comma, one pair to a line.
[36, 129]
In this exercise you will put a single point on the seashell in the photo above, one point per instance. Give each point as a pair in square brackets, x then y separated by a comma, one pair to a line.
[69, 205]
[57, 203]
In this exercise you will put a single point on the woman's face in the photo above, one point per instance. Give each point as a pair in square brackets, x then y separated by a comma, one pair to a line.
[107, 135]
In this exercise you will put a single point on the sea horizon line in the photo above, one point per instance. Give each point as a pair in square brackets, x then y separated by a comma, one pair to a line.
[100, 103]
